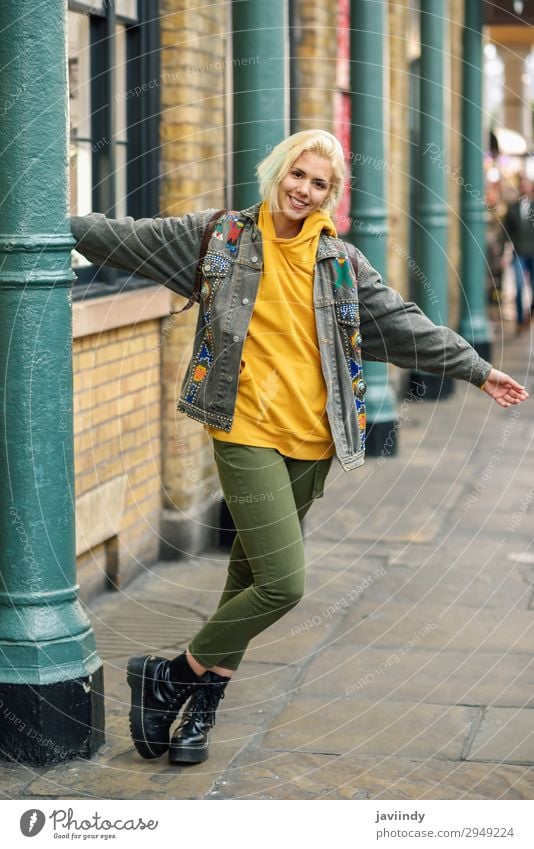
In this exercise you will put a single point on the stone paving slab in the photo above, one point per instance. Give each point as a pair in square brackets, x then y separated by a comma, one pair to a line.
[438, 677]
[117, 772]
[257, 691]
[453, 628]
[505, 735]
[468, 545]
[263, 774]
[435, 584]
[14, 778]
[340, 726]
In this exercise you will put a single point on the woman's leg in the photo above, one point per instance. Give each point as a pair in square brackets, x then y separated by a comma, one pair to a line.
[258, 488]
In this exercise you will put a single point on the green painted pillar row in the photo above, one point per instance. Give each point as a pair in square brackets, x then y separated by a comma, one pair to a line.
[261, 89]
[368, 212]
[431, 221]
[473, 316]
[51, 700]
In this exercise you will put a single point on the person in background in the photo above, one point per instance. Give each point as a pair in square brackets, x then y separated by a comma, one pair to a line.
[519, 233]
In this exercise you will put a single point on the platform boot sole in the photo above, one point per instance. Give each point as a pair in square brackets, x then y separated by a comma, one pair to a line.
[188, 754]
[135, 675]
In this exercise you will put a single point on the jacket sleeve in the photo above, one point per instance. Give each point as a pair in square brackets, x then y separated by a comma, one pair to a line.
[399, 332]
[163, 249]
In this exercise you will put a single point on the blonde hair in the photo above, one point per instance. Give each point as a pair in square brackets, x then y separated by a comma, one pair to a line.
[272, 170]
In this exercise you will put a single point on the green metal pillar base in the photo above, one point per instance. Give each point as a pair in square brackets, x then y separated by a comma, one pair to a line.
[381, 439]
[483, 349]
[431, 387]
[381, 433]
[43, 725]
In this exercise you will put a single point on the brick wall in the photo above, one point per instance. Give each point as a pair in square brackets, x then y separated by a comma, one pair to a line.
[193, 132]
[316, 54]
[117, 401]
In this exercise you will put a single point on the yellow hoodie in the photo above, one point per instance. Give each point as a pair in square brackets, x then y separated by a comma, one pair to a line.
[281, 399]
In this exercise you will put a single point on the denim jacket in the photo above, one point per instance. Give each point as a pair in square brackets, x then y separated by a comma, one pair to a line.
[355, 319]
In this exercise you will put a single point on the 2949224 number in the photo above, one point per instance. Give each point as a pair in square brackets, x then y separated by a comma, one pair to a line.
[487, 831]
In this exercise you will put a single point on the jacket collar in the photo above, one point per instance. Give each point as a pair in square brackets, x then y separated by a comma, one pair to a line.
[328, 246]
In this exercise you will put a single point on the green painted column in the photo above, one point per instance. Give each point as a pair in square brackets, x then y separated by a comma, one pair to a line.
[50, 673]
[473, 322]
[261, 89]
[431, 222]
[368, 212]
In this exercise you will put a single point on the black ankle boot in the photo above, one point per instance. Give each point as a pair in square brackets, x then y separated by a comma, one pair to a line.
[156, 702]
[190, 741]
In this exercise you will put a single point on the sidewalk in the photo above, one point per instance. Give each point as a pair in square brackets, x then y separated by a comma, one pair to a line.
[407, 671]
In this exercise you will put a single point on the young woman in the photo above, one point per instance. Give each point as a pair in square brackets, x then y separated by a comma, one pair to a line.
[287, 312]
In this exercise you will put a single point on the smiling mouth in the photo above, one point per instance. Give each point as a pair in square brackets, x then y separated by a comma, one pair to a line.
[298, 204]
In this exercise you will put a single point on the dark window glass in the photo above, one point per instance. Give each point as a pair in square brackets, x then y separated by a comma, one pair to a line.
[114, 78]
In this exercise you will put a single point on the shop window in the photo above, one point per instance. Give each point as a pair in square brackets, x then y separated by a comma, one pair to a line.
[114, 119]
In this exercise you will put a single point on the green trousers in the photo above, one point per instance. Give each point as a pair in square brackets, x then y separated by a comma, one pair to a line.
[267, 495]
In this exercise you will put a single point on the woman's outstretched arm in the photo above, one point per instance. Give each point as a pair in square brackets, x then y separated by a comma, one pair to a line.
[163, 249]
[397, 331]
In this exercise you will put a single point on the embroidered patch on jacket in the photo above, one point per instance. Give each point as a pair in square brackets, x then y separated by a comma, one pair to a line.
[234, 233]
[216, 263]
[201, 364]
[348, 311]
[342, 272]
[360, 412]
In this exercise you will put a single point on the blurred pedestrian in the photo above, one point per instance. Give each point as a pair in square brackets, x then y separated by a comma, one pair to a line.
[287, 313]
[519, 232]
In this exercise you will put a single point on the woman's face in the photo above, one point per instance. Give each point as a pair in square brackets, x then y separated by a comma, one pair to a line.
[305, 187]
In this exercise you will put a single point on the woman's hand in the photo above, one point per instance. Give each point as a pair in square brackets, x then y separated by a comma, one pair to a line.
[504, 389]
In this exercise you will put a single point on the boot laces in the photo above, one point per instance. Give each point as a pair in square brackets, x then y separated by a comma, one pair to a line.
[204, 703]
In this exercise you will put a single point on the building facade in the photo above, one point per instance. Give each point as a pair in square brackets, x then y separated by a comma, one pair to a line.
[153, 133]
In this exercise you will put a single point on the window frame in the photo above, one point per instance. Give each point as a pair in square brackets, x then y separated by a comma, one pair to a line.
[143, 63]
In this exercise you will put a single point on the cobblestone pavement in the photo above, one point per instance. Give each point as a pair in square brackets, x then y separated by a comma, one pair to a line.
[407, 671]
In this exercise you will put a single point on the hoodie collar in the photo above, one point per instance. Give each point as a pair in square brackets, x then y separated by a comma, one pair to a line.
[328, 246]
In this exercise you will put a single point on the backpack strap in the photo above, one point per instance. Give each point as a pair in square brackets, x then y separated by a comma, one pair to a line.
[353, 256]
[208, 232]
